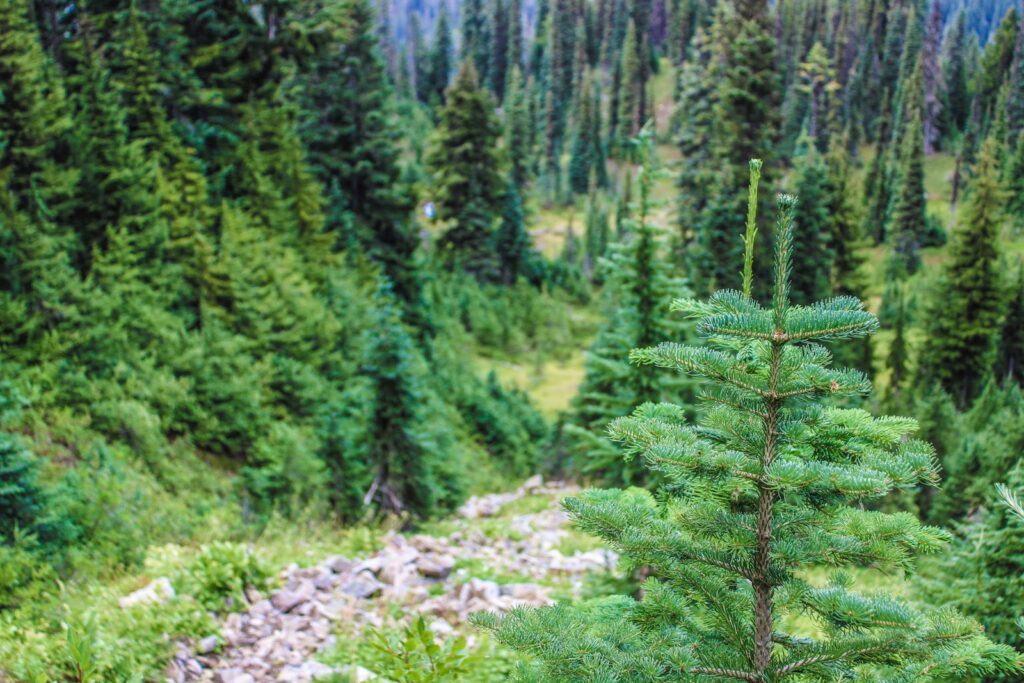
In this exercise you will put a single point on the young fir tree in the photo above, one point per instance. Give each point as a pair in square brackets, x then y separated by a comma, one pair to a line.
[813, 229]
[585, 152]
[22, 499]
[1010, 356]
[441, 55]
[511, 241]
[353, 149]
[392, 449]
[639, 284]
[966, 308]
[768, 487]
[957, 104]
[517, 133]
[908, 224]
[467, 168]
[896, 359]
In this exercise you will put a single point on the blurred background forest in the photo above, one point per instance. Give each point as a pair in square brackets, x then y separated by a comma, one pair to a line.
[279, 274]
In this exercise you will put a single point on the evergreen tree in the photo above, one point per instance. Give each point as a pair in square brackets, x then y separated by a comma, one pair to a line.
[908, 223]
[511, 241]
[955, 74]
[770, 484]
[639, 283]
[476, 36]
[353, 149]
[22, 499]
[585, 150]
[632, 92]
[1010, 356]
[517, 134]
[397, 445]
[466, 164]
[812, 230]
[441, 56]
[499, 49]
[963, 320]
[931, 73]
[896, 360]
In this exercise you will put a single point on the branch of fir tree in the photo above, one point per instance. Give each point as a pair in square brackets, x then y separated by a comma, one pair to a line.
[726, 673]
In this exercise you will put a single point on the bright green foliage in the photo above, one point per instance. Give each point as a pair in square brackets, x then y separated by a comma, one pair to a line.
[639, 282]
[981, 577]
[467, 168]
[413, 656]
[1010, 355]
[219, 574]
[353, 148]
[966, 309]
[769, 485]
[908, 224]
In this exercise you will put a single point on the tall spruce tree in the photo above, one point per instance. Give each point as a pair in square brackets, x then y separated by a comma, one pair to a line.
[354, 151]
[769, 485]
[1010, 357]
[966, 308]
[638, 284]
[467, 168]
[813, 238]
[908, 222]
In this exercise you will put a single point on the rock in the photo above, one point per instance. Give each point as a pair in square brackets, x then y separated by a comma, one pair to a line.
[528, 592]
[486, 591]
[325, 581]
[315, 670]
[286, 600]
[435, 566]
[362, 586]
[157, 592]
[207, 645]
[233, 676]
[338, 564]
[356, 674]
[442, 628]
[533, 484]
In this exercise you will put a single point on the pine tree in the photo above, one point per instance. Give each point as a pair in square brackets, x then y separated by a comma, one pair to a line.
[511, 241]
[812, 230]
[1010, 356]
[394, 440]
[466, 164]
[958, 104]
[632, 89]
[441, 56]
[476, 36]
[499, 63]
[585, 154]
[966, 308]
[908, 223]
[517, 134]
[896, 360]
[931, 72]
[354, 150]
[768, 485]
[22, 499]
[638, 285]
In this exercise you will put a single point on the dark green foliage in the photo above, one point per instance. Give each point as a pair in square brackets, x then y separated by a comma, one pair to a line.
[908, 222]
[22, 500]
[467, 168]
[1010, 356]
[353, 148]
[511, 242]
[963, 320]
[768, 486]
[813, 237]
[988, 448]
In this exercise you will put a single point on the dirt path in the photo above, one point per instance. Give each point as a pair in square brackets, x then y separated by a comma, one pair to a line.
[517, 538]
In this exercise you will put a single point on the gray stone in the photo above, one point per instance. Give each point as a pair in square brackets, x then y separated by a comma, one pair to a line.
[286, 600]
[207, 645]
[435, 566]
[362, 586]
[338, 564]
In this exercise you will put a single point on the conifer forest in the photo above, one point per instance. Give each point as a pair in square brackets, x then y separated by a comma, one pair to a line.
[549, 341]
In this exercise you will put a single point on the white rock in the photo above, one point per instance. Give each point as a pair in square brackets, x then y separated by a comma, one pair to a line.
[435, 566]
[338, 564]
[533, 484]
[157, 592]
[362, 586]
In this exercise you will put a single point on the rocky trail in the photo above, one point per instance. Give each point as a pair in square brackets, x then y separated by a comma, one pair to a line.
[280, 635]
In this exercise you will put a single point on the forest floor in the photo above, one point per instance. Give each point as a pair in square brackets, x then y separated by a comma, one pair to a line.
[499, 551]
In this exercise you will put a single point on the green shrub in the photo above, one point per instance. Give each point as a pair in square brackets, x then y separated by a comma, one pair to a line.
[220, 573]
